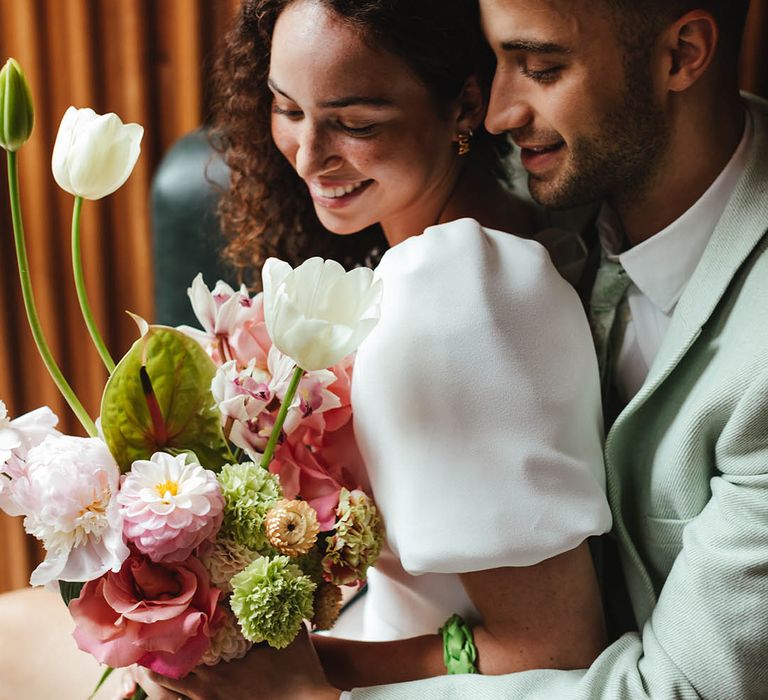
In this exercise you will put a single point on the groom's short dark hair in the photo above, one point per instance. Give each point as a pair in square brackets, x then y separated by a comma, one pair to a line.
[641, 20]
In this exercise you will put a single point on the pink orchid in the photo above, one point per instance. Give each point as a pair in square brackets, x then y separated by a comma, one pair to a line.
[252, 435]
[223, 313]
[241, 394]
[248, 400]
[161, 616]
[313, 396]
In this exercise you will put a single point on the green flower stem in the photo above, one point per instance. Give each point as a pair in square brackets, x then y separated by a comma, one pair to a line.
[82, 295]
[298, 373]
[29, 301]
[107, 673]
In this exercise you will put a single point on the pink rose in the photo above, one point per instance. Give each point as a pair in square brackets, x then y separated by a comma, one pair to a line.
[161, 616]
[337, 417]
[250, 341]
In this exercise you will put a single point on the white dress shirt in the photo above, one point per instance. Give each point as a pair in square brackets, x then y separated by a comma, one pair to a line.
[661, 267]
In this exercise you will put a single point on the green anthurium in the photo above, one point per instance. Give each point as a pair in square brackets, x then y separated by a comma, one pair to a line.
[159, 399]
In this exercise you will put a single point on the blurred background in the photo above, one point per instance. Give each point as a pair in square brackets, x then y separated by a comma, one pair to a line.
[146, 60]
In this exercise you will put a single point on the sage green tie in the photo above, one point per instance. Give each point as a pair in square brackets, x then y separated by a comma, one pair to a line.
[608, 293]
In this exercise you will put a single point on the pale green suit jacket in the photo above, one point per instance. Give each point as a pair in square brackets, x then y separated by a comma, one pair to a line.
[687, 475]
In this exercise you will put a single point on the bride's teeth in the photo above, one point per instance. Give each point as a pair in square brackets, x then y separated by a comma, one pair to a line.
[335, 192]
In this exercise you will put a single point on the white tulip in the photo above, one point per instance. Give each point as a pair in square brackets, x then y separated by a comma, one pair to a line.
[94, 153]
[318, 314]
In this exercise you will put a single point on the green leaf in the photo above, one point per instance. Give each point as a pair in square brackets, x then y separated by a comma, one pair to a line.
[70, 591]
[159, 399]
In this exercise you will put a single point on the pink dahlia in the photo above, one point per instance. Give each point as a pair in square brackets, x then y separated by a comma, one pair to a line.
[161, 616]
[170, 507]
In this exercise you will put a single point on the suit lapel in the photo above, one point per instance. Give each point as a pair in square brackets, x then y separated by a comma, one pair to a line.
[738, 232]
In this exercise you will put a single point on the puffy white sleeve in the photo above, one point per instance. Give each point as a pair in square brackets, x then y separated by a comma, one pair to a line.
[477, 404]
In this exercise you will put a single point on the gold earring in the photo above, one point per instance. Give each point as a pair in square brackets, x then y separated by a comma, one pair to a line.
[464, 140]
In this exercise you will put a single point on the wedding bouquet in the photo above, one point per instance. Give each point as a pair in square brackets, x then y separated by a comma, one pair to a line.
[208, 509]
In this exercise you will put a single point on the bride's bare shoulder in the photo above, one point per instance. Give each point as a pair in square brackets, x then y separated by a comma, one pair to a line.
[482, 197]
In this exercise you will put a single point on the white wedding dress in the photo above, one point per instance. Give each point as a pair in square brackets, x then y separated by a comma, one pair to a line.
[477, 412]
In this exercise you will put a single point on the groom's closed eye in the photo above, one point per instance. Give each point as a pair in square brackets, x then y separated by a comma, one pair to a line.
[543, 75]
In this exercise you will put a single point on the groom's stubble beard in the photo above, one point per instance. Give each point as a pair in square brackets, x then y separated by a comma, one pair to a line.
[619, 161]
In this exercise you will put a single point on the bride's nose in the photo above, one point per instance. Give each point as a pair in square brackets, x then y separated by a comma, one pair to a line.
[316, 152]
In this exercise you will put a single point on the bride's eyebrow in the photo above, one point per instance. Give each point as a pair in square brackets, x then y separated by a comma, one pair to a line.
[340, 102]
[355, 100]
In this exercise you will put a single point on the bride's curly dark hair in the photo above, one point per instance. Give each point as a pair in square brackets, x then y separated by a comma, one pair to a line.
[267, 210]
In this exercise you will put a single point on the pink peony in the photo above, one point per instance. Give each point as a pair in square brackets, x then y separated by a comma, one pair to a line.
[17, 437]
[170, 507]
[68, 493]
[161, 616]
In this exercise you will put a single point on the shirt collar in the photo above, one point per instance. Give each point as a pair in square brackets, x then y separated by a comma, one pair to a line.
[662, 265]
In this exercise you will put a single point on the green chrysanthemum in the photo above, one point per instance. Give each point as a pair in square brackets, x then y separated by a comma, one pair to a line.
[356, 543]
[271, 598]
[249, 492]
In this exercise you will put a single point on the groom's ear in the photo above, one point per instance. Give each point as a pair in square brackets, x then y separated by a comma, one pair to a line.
[471, 106]
[688, 48]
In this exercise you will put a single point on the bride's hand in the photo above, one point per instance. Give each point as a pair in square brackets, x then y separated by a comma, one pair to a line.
[293, 673]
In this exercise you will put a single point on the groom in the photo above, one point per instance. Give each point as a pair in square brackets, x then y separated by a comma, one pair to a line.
[636, 103]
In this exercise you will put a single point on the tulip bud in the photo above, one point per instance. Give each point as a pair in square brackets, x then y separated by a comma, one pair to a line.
[94, 153]
[17, 114]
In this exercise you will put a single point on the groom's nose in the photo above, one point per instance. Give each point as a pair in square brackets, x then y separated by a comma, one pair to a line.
[507, 108]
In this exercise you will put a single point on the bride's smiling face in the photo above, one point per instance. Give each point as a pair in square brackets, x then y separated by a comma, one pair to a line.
[363, 132]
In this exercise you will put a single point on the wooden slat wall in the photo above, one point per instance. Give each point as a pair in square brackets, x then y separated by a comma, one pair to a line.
[145, 60]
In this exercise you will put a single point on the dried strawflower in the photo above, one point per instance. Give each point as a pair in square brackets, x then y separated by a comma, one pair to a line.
[292, 527]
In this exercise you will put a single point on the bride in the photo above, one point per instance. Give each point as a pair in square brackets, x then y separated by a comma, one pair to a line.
[476, 399]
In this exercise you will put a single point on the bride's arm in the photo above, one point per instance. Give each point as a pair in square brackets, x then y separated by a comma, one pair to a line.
[543, 616]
